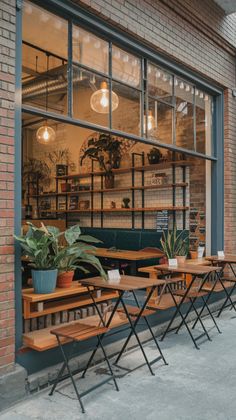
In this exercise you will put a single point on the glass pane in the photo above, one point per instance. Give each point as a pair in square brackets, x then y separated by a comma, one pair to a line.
[86, 88]
[203, 122]
[184, 93]
[90, 50]
[160, 83]
[44, 80]
[44, 29]
[127, 115]
[160, 121]
[126, 67]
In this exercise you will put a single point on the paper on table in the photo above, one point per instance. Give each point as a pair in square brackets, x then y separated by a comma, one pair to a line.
[114, 276]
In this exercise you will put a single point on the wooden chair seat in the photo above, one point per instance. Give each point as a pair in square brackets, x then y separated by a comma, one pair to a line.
[229, 279]
[165, 302]
[191, 294]
[218, 287]
[135, 310]
[79, 331]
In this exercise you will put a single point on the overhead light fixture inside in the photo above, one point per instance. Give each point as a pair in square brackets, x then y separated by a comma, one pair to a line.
[45, 134]
[99, 100]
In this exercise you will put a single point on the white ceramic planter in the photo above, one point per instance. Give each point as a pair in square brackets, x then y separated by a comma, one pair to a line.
[172, 262]
[200, 251]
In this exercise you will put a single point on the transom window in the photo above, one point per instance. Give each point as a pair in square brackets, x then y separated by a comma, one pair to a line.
[92, 80]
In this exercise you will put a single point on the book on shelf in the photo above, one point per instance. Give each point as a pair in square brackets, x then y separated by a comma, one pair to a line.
[73, 204]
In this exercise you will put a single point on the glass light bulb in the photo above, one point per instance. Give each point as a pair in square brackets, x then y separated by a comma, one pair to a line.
[151, 123]
[104, 99]
[45, 135]
[99, 100]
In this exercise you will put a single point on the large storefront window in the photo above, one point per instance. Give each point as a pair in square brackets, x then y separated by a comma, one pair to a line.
[95, 81]
[114, 139]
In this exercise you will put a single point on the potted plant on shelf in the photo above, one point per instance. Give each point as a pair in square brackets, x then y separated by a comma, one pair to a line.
[174, 245]
[74, 254]
[37, 245]
[48, 255]
[36, 175]
[107, 152]
[61, 159]
[154, 156]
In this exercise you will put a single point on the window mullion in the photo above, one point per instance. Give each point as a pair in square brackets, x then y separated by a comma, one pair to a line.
[110, 84]
[70, 72]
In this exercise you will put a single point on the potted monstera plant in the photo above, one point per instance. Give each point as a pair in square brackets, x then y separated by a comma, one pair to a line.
[37, 245]
[74, 254]
[107, 152]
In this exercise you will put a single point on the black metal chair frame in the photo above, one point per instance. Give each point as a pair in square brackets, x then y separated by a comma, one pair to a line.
[132, 326]
[65, 365]
[192, 306]
[228, 294]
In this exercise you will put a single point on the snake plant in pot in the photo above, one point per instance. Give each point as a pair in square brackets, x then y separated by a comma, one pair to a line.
[76, 253]
[175, 245]
[37, 245]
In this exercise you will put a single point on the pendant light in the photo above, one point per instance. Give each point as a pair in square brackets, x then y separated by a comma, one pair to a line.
[151, 123]
[46, 135]
[99, 100]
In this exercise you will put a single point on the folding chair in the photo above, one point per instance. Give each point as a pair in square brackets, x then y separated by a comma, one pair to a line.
[135, 313]
[224, 284]
[78, 332]
[191, 293]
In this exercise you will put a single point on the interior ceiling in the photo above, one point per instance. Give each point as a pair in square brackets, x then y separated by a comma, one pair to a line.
[229, 6]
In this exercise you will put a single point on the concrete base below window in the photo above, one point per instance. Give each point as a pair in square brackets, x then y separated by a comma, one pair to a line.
[12, 386]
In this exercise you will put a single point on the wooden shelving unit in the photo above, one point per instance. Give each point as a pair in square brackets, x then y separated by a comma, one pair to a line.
[42, 340]
[41, 305]
[133, 187]
[36, 305]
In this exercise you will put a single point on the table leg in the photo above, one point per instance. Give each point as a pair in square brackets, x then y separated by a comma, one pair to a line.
[133, 268]
[133, 331]
[102, 336]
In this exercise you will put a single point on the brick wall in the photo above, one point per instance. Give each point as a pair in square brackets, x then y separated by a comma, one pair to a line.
[199, 35]
[7, 87]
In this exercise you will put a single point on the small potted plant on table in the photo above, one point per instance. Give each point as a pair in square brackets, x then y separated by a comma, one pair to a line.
[175, 246]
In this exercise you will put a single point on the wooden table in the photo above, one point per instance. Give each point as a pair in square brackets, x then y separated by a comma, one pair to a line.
[133, 313]
[227, 282]
[192, 291]
[132, 256]
[153, 272]
[227, 259]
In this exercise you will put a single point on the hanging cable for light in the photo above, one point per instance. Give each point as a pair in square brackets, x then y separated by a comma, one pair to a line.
[46, 134]
[99, 100]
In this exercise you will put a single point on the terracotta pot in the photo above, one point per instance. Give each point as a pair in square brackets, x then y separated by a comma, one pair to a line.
[181, 259]
[65, 279]
[109, 180]
[193, 255]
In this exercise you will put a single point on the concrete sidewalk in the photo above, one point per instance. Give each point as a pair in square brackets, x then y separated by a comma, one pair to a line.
[197, 385]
